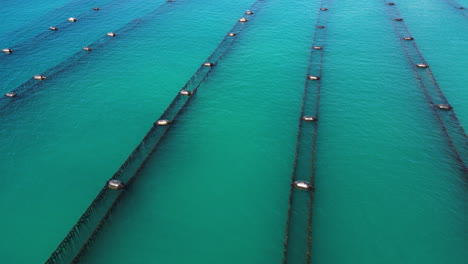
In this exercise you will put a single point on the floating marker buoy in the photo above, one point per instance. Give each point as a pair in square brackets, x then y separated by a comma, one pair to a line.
[320, 26]
[96, 8]
[248, 12]
[186, 92]
[10, 94]
[302, 185]
[398, 19]
[243, 19]
[163, 122]
[444, 107]
[72, 19]
[408, 38]
[53, 28]
[87, 49]
[111, 34]
[313, 77]
[39, 77]
[422, 65]
[7, 51]
[317, 47]
[461, 7]
[323, 9]
[115, 185]
[391, 4]
[309, 118]
[232, 34]
[208, 64]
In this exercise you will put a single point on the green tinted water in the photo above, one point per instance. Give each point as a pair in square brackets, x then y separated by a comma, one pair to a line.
[388, 187]
[73, 133]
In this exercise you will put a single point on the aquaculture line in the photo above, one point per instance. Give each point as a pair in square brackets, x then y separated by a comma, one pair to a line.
[53, 29]
[83, 234]
[11, 36]
[438, 103]
[298, 236]
[463, 10]
[40, 79]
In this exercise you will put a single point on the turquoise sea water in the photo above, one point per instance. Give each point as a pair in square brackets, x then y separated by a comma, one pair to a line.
[388, 188]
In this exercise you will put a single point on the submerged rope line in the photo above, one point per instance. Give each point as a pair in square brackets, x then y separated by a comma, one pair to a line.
[57, 12]
[71, 61]
[138, 158]
[434, 97]
[463, 10]
[57, 255]
[319, 37]
[32, 41]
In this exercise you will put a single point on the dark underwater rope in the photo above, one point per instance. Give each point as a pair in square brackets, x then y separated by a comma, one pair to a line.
[194, 82]
[393, 13]
[314, 154]
[32, 41]
[463, 10]
[319, 35]
[71, 61]
[56, 11]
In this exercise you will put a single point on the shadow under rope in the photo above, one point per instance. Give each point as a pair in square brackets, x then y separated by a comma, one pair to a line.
[11, 49]
[463, 10]
[83, 234]
[37, 81]
[298, 236]
[438, 103]
[55, 14]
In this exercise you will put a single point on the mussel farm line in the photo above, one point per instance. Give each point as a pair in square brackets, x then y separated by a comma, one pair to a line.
[438, 103]
[84, 232]
[303, 173]
[58, 12]
[52, 31]
[70, 62]
[463, 10]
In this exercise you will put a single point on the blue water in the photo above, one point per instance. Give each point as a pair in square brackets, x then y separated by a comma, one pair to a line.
[388, 187]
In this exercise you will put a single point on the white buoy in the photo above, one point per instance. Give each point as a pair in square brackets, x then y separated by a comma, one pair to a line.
[302, 185]
[115, 185]
[232, 34]
[444, 107]
[186, 92]
[7, 51]
[208, 64]
[72, 19]
[111, 34]
[248, 12]
[163, 122]
[408, 38]
[53, 28]
[96, 8]
[87, 48]
[422, 65]
[243, 19]
[39, 77]
[323, 9]
[309, 118]
[317, 47]
[10, 94]
[313, 77]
